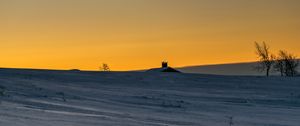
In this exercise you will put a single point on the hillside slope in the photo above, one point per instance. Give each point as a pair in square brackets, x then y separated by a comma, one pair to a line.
[227, 69]
[74, 98]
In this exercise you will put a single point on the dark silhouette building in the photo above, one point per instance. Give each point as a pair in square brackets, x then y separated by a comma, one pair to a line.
[164, 68]
[164, 64]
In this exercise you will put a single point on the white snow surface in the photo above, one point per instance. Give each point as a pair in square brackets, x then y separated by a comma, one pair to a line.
[78, 98]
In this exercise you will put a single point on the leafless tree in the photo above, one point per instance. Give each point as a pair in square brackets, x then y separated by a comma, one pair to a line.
[279, 65]
[104, 67]
[290, 63]
[265, 57]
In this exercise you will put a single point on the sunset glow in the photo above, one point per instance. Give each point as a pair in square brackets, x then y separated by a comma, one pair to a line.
[139, 34]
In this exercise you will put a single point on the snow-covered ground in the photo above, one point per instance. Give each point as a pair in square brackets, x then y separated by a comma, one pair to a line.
[244, 69]
[74, 98]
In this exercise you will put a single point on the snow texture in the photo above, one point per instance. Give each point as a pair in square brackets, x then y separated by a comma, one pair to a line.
[78, 98]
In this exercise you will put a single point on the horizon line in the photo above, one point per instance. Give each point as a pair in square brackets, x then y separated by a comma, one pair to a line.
[178, 67]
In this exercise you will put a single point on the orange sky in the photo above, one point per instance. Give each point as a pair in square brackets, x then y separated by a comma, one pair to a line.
[138, 34]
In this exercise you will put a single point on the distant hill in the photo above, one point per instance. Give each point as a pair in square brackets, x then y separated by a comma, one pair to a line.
[225, 69]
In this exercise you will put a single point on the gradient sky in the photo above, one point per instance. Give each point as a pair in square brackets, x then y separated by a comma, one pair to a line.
[137, 34]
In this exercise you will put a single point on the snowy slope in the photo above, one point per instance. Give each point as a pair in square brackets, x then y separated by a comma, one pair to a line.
[227, 69]
[224, 69]
[74, 98]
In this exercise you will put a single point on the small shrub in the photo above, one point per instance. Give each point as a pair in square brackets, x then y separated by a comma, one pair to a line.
[104, 67]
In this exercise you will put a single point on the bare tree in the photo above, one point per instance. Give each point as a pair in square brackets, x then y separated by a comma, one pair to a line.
[279, 65]
[104, 67]
[290, 63]
[265, 57]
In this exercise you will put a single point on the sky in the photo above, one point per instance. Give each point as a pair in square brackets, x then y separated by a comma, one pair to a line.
[139, 34]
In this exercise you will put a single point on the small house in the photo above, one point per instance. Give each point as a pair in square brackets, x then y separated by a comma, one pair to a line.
[164, 68]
